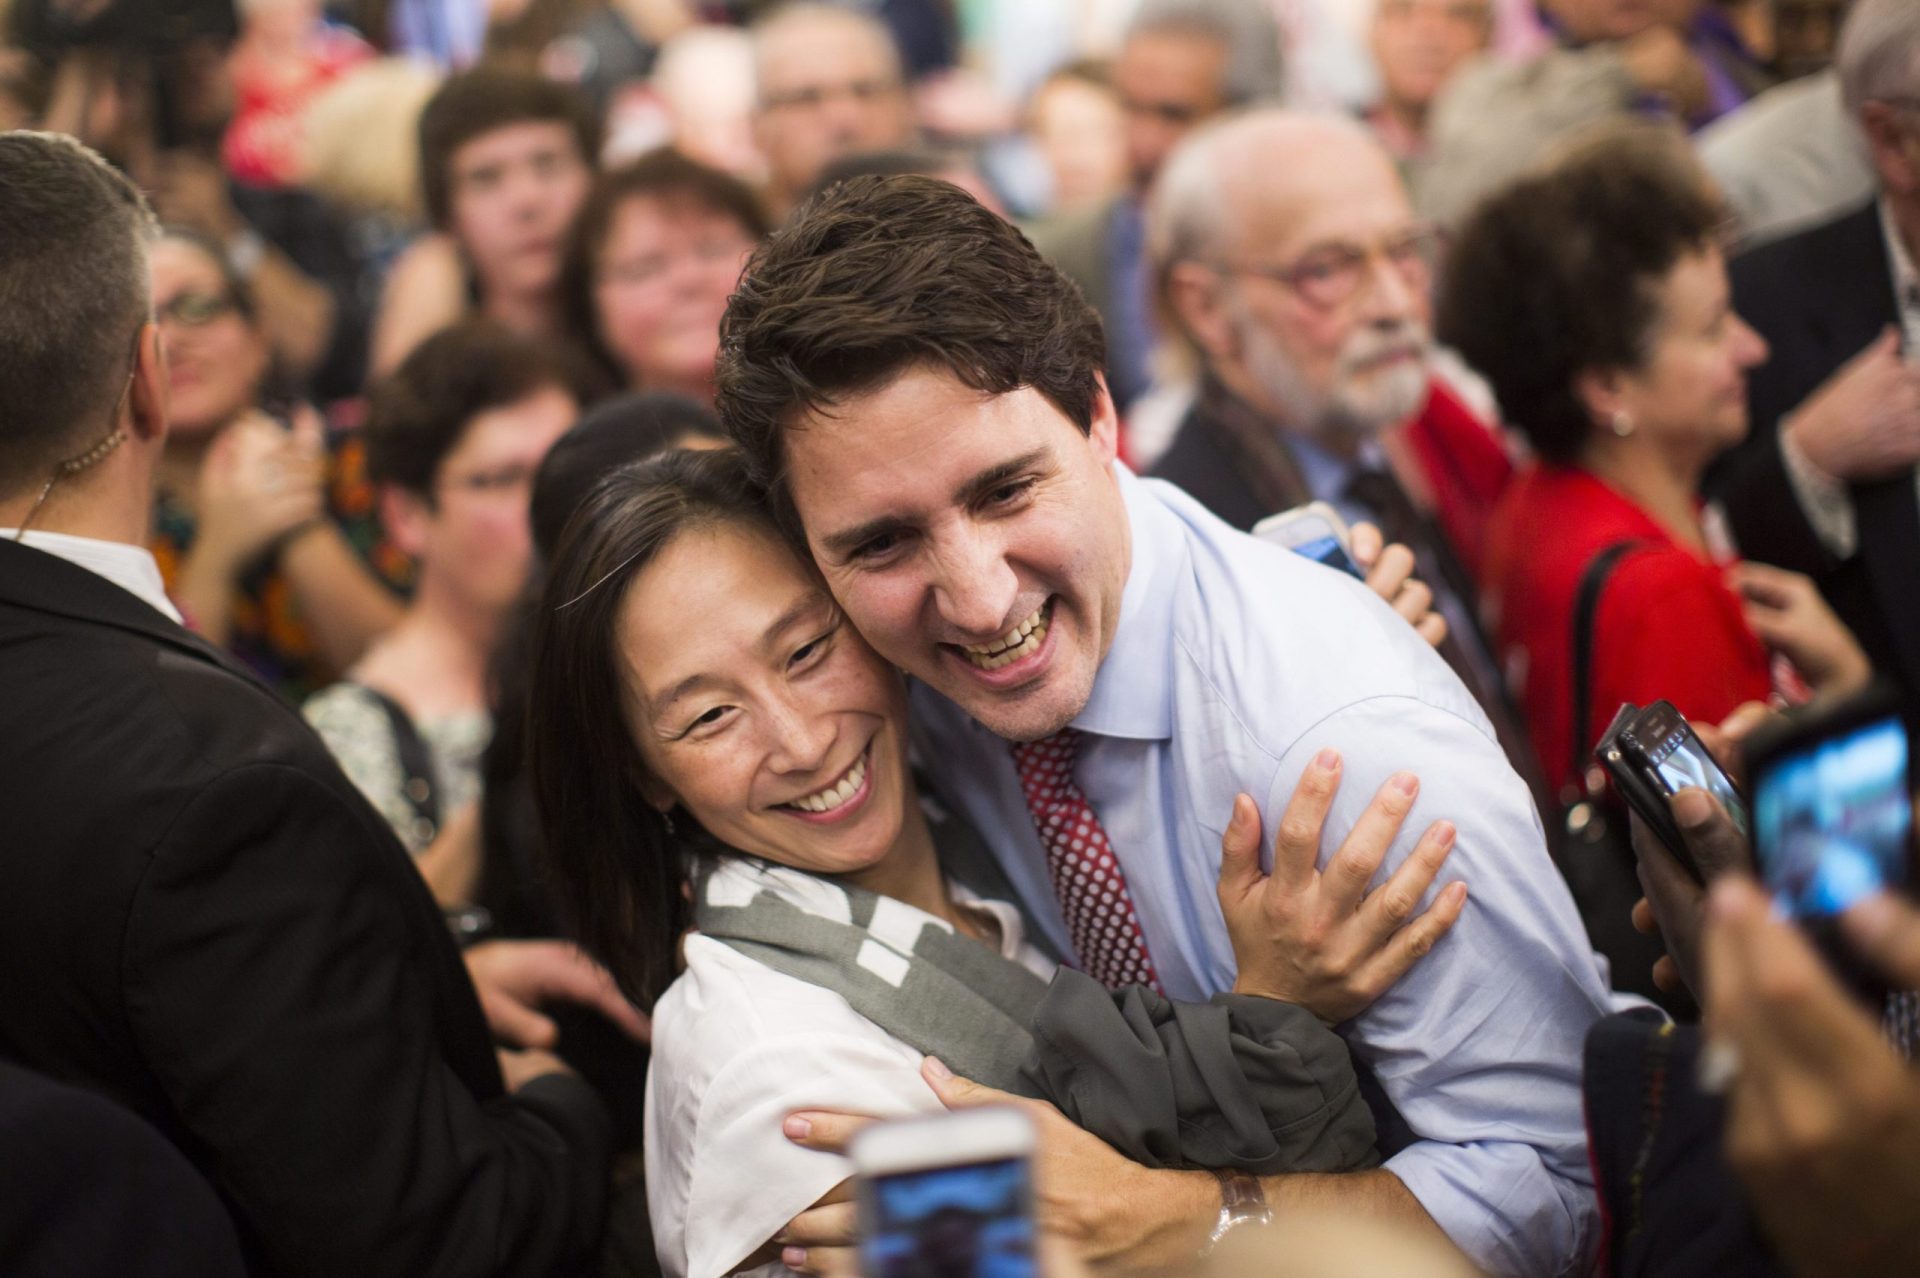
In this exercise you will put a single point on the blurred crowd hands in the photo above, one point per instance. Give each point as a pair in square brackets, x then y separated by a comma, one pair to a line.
[1823, 1114]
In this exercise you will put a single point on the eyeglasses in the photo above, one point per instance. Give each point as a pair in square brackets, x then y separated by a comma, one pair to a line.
[195, 310]
[492, 483]
[813, 96]
[1333, 273]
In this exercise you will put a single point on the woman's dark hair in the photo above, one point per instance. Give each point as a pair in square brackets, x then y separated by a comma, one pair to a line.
[481, 101]
[666, 177]
[232, 283]
[277, 390]
[1559, 275]
[620, 431]
[881, 273]
[420, 412]
[618, 873]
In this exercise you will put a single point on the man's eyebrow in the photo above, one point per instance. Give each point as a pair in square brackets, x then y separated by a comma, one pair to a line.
[996, 476]
[843, 543]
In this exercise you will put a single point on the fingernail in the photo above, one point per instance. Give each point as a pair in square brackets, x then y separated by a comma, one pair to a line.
[797, 1128]
[793, 1257]
[938, 1068]
[1457, 891]
[1406, 783]
[1242, 809]
[1327, 760]
[1443, 833]
[1692, 808]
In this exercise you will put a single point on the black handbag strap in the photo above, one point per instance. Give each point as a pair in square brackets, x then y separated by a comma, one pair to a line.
[416, 760]
[1593, 580]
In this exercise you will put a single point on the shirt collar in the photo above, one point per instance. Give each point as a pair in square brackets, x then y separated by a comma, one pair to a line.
[1133, 691]
[132, 568]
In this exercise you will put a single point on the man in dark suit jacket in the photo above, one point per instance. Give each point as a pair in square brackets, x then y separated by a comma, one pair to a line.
[1826, 482]
[201, 918]
[87, 1188]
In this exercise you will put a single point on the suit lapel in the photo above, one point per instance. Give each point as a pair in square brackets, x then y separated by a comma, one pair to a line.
[1858, 279]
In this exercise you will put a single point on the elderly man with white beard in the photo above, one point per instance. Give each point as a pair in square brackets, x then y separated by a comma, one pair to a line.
[1289, 258]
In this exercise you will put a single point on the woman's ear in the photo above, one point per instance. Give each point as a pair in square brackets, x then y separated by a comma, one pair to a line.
[1600, 392]
[407, 517]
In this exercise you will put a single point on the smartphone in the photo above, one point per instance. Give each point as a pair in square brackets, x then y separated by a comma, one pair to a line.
[1651, 754]
[1314, 530]
[1833, 805]
[947, 1195]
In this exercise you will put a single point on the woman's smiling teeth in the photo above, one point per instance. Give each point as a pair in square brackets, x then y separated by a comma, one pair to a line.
[1021, 641]
[836, 794]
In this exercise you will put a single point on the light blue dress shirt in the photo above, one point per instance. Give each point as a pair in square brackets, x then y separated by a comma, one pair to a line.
[1234, 663]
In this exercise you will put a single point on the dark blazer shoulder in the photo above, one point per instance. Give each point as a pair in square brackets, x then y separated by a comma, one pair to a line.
[1200, 464]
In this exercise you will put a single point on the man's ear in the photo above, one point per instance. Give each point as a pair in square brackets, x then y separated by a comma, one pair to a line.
[1196, 296]
[1104, 432]
[147, 392]
[407, 518]
[1891, 141]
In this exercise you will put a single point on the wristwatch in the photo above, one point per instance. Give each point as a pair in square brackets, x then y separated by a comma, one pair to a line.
[1242, 1202]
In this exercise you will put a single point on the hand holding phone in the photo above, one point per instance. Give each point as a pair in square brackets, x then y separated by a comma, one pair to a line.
[1651, 755]
[1316, 531]
[947, 1195]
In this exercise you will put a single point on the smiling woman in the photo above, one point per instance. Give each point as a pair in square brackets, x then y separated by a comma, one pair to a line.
[259, 521]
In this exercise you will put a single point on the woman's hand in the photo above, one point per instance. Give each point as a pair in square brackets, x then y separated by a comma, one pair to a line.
[1317, 938]
[1389, 572]
[1786, 610]
[258, 483]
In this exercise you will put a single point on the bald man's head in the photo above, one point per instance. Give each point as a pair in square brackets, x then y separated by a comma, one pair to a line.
[828, 83]
[1289, 255]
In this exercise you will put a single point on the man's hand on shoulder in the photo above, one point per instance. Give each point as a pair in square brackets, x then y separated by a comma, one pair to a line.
[515, 978]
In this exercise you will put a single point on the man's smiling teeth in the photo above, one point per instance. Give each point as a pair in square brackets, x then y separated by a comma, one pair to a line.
[835, 795]
[1022, 641]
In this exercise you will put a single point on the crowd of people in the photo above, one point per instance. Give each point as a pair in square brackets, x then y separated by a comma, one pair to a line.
[596, 595]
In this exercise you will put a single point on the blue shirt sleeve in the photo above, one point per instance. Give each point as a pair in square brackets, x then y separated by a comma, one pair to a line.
[1479, 1046]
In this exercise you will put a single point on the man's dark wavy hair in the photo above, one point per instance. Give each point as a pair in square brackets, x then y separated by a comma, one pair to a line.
[881, 274]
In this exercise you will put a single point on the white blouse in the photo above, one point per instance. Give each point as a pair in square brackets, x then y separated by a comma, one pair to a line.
[737, 1047]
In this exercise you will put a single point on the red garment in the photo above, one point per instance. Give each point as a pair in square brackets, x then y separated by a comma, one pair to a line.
[262, 145]
[1466, 467]
[1667, 625]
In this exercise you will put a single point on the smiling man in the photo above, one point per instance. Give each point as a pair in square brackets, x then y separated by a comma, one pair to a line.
[921, 391]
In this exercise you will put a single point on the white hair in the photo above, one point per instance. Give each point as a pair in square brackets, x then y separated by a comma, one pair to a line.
[1878, 56]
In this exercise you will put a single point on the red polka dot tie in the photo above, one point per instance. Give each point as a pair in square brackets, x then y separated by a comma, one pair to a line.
[1087, 879]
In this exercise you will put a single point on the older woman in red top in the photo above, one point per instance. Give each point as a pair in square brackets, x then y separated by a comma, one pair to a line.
[1593, 297]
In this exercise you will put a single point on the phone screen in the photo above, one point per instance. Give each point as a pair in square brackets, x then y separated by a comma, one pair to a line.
[1681, 759]
[973, 1220]
[1327, 550]
[1833, 820]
